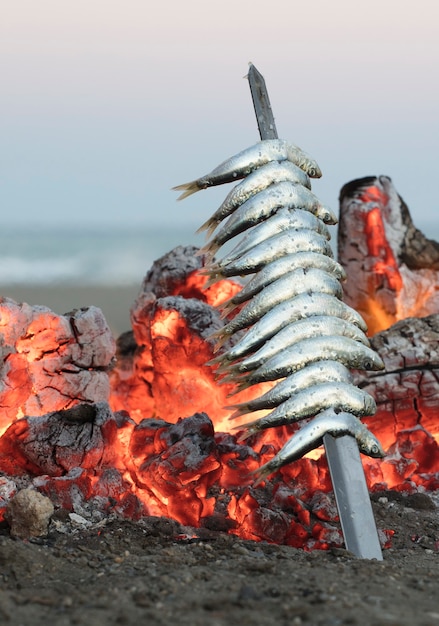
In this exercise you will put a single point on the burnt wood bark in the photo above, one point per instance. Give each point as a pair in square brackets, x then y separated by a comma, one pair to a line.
[407, 391]
[392, 267]
[50, 362]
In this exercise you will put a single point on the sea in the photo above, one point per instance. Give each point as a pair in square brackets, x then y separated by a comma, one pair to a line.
[109, 256]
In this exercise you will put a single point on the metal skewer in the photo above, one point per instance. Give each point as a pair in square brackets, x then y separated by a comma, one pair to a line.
[347, 474]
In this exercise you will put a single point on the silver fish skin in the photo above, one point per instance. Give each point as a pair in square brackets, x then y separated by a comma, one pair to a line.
[288, 242]
[278, 268]
[244, 162]
[317, 326]
[310, 436]
[265, 204]
[294, 283]
[313, 374]
[351, 353]
[303, 306]
[258, 180]
[284, 219]
[338, 396]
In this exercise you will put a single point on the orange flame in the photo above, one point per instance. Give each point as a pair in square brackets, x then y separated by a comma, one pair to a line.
[154, 460]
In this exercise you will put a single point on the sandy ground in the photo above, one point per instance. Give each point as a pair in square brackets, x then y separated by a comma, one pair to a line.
[155, 572]
[115, 302]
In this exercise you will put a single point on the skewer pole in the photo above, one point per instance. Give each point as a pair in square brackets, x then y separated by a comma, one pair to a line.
[347, 474]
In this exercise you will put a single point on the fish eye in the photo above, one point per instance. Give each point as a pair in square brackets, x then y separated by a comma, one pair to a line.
[368, 365]
[375, 450]
[312, 172]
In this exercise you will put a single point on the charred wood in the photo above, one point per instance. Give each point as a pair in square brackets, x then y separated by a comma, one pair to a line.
[392, 268]
[50, 362]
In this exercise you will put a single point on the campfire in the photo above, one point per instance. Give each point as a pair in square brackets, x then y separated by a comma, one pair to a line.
[140, 427]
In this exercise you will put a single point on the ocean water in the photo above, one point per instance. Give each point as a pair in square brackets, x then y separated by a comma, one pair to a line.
[110, 256]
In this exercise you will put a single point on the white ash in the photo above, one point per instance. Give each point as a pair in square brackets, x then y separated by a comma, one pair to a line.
[28, 514]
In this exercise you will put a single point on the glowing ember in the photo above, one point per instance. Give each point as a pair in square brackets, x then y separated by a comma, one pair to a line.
[51, 362]
[158, 442]
[392, 268]
[165, 373]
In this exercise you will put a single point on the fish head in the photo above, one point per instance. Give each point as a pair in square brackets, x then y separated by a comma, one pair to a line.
[372, 361]
[327, 215]
[369, 445]
[313, 170]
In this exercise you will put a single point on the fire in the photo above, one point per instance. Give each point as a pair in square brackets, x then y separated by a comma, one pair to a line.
[386, 281]
[384, 265]
[156, 439]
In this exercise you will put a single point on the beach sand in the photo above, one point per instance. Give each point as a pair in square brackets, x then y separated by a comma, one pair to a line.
[115, 302]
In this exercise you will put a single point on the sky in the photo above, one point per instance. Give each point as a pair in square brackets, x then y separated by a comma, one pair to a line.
[107, 104]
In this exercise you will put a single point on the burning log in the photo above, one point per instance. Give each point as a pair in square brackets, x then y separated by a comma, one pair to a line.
[87, 458]
[53, 444]
[50, 362]
[162, 366]
[95, 461]
[407, 397]
[392, 268]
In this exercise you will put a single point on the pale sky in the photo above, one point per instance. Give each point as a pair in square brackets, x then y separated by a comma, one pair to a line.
[107, 104]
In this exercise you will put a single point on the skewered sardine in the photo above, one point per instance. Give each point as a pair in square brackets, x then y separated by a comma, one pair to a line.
[261, 178]
[310, 436]
[265, 204]
[351, 353]
[288, 242]
[278, 268]
[339, 396]
[313, 374]
[247, 160]
[302, 306]
[284, 219]
[292, 284]
[318, 326]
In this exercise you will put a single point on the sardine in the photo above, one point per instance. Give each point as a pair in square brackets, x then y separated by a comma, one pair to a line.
[269, 174]
[247, 160]
[310, 436]
[351, 353]
[288, 263]
[288, 242]
[338, 396]
[284, 219]
[313, 374]
[317, 326]
[264, 204]
[294, 283]
[302, 306]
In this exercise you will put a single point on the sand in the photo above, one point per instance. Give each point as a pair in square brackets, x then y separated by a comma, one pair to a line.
[115, 302]
[159, 573]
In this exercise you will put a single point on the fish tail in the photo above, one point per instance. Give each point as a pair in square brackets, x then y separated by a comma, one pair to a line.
[241, 409]
[208, 226]
[213, 277]
[219, 360]
[219, 337]
[250, 429]
[227, 308]
[235, 370]
[227, 378]
[213, 270]
[262, 472]
[187, 188]
[240, 386]
[209, 250]
[223, 368]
